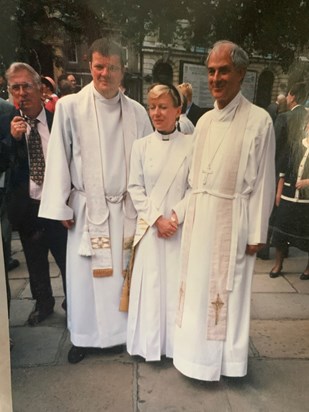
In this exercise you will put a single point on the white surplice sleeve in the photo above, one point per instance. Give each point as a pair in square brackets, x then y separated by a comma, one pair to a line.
[181, 207]
[57, 180]
[262, 197]
[144, 206]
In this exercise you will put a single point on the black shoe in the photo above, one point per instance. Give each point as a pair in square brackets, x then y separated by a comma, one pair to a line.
[76, 354]
[13, 263]
[274, 275]
[304, 276]
[40, 313]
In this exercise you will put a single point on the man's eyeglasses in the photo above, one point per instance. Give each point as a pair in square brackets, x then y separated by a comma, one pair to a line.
[15, 88]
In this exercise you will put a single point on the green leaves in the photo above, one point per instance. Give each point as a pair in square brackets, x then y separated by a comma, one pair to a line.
[263, 26]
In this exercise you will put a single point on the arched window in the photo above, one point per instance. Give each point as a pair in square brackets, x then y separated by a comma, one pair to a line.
[162, 73]
[264, 89]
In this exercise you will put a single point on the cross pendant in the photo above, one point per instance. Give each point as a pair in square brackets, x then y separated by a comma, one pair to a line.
[206, 173]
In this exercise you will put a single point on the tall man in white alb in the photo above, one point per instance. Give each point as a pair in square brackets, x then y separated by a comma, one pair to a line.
[233, 184]
[86, 188]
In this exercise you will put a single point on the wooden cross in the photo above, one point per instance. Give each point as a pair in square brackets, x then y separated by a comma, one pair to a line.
[217, 305]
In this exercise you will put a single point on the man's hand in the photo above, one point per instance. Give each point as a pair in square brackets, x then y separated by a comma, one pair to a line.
[166, 227]
[68, 224]
[18, 127]
[253, 249]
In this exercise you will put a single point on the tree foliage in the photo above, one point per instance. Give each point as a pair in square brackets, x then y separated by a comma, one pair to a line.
[264, 27]
[268, 28]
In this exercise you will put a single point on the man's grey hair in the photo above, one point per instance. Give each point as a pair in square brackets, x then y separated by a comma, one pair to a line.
[239, 57]
[18, 66]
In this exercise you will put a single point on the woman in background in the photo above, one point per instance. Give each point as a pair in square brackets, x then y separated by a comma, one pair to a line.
[291, 226]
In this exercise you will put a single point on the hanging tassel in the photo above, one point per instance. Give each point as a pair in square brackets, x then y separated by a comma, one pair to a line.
[85, 247]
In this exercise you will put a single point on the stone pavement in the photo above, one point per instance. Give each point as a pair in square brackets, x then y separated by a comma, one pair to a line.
[278, 374]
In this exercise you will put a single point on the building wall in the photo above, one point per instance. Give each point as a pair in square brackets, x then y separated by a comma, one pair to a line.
[151, 56]
[140, 67]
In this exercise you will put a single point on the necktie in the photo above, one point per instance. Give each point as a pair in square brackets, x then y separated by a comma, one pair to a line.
[36, 156]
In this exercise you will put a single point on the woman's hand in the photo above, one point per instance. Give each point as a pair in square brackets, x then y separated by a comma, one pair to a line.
[301, 184]
[166, 227]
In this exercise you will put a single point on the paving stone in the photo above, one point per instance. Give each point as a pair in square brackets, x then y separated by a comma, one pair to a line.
[278, 374]
[279, 306]
[281, 338]
[301, 286]
[270, 386]
[17, 286]
[35, 345]
[79, 388]
[20, 310]
[21, 272]
[162, 388]
[263, 283]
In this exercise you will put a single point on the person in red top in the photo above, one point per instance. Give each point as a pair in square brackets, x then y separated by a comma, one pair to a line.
[49, 96]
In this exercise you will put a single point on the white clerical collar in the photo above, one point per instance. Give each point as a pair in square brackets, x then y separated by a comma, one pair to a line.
[228, 110]
[166, 137]
[99, 96]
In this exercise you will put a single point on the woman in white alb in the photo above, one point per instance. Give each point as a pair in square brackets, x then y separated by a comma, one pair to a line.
[158, 186]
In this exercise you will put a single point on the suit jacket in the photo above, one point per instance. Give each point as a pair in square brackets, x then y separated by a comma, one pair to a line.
[19, 198]
[288, 130]
[273, 111]
[194, 113]
[6, 112]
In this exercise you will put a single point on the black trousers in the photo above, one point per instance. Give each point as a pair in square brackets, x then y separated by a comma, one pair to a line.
[39, 237]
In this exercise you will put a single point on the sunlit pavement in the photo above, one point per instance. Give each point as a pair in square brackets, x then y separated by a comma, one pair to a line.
[278, 373]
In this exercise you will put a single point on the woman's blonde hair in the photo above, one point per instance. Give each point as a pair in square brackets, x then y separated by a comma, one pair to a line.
[158, 89]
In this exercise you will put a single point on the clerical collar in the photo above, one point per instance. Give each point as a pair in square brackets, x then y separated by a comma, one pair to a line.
[166, 135]
[112, 101]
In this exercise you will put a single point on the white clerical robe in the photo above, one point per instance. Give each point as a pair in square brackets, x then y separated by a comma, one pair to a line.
[155, 277]
[194, 354]
[94, 318]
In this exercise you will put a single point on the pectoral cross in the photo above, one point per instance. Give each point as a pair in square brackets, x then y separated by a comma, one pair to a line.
[217, 306]
[206, 173]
